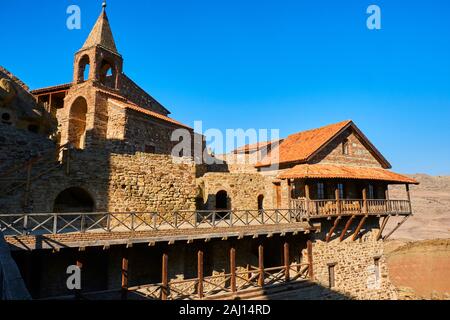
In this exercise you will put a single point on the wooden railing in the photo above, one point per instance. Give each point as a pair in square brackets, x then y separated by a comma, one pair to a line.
[222, 284]
[314, 208]
[63, 223]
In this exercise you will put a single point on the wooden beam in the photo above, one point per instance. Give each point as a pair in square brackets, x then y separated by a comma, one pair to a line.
[310, 260]
[383, 226]
[165, 277]
[338, 199]
[124, 274]
[358, 229]
[308, 197]
[364, 195]
[261, 265]
[396, 228]
[200, 274]
[233, 269]
[336, 223]
[408, 193]
[287, 262]
[344, 231]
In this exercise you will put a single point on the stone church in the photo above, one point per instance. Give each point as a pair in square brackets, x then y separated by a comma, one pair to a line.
[101, 146]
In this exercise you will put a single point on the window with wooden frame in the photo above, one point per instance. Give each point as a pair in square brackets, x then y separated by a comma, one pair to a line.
[331, 275]
[320, 190]
[340, 187]
[371, 192]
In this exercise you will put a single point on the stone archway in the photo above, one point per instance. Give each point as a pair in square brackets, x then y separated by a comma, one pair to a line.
[77, 123]
[74, 200]
[222, 200]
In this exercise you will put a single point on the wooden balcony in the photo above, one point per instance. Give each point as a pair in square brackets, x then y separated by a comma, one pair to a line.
[324, 208]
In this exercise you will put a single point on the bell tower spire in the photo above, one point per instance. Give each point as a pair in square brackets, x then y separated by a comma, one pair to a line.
[100, 54]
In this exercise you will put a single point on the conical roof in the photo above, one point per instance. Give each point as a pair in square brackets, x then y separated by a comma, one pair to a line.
[101, 34]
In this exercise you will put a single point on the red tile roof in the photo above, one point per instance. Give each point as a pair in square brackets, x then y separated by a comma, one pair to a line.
[131, 106]
[59, 87]
[255, 146]
[324, 171]
[300, 147]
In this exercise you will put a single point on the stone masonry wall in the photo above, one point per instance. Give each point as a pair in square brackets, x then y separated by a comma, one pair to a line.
[243, 189]
[355, 270]
[359, 154]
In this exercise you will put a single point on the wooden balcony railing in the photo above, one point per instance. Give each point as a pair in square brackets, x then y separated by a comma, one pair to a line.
[315, 208]
[63, 223]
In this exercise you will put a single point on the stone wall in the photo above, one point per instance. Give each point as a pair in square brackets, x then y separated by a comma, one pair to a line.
[243, 190]
[354, 264]
[150, 182]
[358, 155]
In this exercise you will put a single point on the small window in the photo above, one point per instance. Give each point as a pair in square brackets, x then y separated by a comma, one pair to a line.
[371, 193]
[341, 190]
[376, 262]
[331, 275]
[150, 149]
[260, 202]
[346, 148]
[320, 190]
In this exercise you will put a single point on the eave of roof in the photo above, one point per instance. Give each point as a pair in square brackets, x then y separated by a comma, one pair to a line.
[329, 171]
[131, 106]
[59, 87]
[302, 146]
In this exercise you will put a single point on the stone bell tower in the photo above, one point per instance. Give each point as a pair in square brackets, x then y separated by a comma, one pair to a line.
[97, 74]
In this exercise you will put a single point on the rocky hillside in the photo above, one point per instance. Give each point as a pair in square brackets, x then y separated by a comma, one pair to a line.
[420, 269]
[431, 205]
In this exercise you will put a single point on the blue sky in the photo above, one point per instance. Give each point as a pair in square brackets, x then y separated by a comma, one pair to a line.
[292, 65]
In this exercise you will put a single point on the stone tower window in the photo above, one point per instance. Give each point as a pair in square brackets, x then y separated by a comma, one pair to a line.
[107, 74]
[83, 69]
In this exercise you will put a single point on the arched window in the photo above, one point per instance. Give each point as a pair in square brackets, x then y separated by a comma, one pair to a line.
[77, 123]
[260, 202]
[83, 69]
[74, 200]
[345, 148]
[222, 200]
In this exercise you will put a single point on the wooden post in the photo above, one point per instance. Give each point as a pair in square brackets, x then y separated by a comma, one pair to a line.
[286, 262]
[383, 226]
[233, 269]
[261, 265]
[200, 274]
[355, 235]
[165, 277]
[338, 200]
[290, 193]
[310, 260]
[364, 195]
[125, 276]
[307, 196]
[344, 231]
[408, 193]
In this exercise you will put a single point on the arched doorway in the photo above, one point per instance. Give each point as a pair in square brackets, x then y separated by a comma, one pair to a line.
[222, 202]
[74, 200]
[260, 202]
[77, 123]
